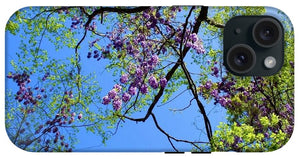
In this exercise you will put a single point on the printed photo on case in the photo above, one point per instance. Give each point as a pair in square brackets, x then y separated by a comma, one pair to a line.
[140, 79]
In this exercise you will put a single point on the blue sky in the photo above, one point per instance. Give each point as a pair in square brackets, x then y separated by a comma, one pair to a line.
[142, 136]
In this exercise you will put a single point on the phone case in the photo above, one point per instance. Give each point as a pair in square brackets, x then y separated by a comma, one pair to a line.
[115, 79]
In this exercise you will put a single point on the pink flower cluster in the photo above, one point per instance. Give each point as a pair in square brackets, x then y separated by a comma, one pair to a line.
[115, 97]
[190, 40]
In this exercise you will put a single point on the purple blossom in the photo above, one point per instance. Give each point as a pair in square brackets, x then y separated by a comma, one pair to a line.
[117, 87]
[177, 39]
[246, 93]
[208, 85]
[79, 116]
[105, 100]
[288, 108]
[189, 44]
[143, 44]
[149, 25]
[215, 93]
[135, 53]
[292, 64]
[144, 88]
[126, 97]
[89, 55]
[198, 46]
[163, 82]
[137, 82]
[93, 42]
[237, 140]
[163, 21]
[267, 135]
[223, 101]
[284, 115]
[96, 56]
[241, 89]
[215, 71]
[168, 29]
[129, 47]
[93, 26]
[146, 15]
[139, 72]
[194, 37]
[9, 76]
[290, 129]
[117, 103]
[263, 110]
[164, 50]
[131, 68]
[152, 81]
[173, 9]
[132, 90]
[157, 15]
[151, 22]
[39, 96]
[291, 119]
[124, 78]
[118, 43]
[112, 93]
[144, 66]
[140, 37]
[153, 60]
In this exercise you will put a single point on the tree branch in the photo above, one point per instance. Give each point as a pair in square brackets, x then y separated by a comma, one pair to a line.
[116, 10]
[214, 23]
[201, 17]
[193, 88]
[194, 143]
[182, 109]
[184, 29]
[19, 129]
[172, 144]
[77, 56]
[172, 98]
[262, 91]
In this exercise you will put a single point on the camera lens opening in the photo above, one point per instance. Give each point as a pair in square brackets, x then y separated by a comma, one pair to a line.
[267, 32]
[241, 58]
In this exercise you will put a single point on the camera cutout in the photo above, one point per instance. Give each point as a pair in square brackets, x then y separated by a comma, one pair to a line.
[253, 45]
[241, 58]
[267, 32]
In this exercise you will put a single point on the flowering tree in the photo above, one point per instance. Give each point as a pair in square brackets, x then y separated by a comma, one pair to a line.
[146, 48]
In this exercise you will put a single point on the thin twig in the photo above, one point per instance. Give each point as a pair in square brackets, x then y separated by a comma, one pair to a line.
[194, 143]
[172, 98]
[182, 109]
